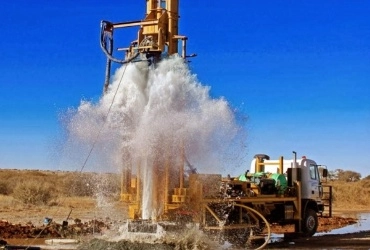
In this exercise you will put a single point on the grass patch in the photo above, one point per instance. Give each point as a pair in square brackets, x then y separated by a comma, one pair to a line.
[354, 195]
[76, 189]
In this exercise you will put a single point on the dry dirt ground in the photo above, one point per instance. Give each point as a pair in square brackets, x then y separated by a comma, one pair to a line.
[14, 215]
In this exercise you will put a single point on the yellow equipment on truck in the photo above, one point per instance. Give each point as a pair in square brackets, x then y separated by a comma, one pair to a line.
[241, 209]
[277, 191]
[235, 209]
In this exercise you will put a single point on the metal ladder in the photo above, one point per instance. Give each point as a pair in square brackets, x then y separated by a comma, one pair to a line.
[327, 198]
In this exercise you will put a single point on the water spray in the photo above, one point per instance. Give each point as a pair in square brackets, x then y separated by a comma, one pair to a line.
[160, 121]
[157, 38]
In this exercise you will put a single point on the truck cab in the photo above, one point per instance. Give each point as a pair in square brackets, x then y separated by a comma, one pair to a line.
[304, 171]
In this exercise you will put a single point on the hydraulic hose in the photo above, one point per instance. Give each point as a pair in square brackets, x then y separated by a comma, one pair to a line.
[108, 68]
[106, 37]
[267, 239]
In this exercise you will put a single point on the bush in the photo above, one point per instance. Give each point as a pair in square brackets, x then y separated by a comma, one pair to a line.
[5, 189]
[34, 192]
[79, 185]
[90, 184]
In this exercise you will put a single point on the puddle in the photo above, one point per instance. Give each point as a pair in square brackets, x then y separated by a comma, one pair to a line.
[363, 224]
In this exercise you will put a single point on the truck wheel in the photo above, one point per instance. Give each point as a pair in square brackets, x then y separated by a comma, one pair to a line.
[310, 222]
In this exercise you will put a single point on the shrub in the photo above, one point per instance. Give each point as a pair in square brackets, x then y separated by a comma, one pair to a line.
[79, 185]
[34, 192]
[90, 184]
[5, 189]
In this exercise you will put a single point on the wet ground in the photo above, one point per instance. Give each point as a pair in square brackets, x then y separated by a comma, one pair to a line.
[343, 236]
[359, 240]
[348, 231]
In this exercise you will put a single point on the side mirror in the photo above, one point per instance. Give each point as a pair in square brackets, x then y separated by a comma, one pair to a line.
[325, 173]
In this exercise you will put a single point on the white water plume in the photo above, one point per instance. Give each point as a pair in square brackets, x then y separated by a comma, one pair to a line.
[157, 115]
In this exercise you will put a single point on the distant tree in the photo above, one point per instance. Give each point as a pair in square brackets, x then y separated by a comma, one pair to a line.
[367, 177]
[348, 175]
[332, 175]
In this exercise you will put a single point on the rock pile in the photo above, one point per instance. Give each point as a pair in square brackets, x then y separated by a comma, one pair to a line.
[53, 230]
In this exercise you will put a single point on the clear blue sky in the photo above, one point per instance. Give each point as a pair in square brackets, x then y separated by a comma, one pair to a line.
[299, 70]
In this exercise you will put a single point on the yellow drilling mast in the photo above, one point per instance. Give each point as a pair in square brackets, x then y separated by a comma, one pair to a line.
[157, 36]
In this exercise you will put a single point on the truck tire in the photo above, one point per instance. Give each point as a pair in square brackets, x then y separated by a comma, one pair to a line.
[310, 222]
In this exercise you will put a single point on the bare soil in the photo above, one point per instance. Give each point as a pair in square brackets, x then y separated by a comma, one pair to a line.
[31, 218]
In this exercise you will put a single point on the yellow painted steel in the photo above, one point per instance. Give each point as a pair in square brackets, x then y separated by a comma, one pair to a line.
[166, 185]
[281, 165]
[158, 32]
[260, 165]
[126, 184]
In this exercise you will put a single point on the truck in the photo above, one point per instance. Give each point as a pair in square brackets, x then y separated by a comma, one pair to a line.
[237, 209]
[270, 192]
[240, 209]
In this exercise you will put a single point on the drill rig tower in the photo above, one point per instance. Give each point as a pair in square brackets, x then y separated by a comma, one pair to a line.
[157, 36]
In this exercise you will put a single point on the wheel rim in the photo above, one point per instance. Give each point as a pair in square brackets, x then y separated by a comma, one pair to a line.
[310, 223]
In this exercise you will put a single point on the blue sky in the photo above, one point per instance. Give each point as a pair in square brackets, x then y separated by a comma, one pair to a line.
[299, 70]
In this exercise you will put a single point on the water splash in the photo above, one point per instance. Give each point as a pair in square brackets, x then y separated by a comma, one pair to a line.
[158, 114]
[189, 237]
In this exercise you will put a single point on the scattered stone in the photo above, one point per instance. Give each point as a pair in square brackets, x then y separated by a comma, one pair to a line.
[53, 230]
[97, 244]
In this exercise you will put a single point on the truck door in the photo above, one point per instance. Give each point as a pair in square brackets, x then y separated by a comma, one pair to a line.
[314, 182]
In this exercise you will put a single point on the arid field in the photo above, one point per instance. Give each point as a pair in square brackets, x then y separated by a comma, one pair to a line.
[27, 197]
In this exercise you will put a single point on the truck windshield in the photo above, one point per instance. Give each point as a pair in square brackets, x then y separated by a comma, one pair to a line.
[314, 172]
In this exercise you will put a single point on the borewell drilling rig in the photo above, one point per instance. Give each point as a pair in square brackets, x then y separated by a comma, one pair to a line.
[234, 209]
[158, 36]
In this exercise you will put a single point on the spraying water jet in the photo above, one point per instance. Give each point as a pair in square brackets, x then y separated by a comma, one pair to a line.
[157, 38]
[164, 120]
